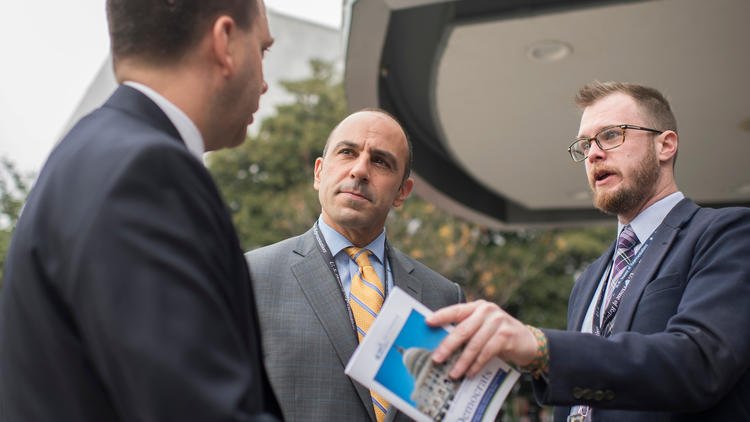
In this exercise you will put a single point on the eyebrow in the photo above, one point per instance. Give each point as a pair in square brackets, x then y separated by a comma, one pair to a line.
[375, 151]
[600, 130]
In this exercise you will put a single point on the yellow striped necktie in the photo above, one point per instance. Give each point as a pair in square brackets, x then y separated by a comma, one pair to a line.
[365, 299]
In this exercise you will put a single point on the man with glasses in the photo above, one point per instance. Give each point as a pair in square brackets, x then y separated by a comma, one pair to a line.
[657, 326]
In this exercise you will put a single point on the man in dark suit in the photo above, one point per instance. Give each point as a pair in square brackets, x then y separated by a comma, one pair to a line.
[127, 296]
[657, 326]
[307, 286]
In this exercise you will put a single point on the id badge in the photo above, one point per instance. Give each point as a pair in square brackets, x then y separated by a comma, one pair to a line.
[576, 418]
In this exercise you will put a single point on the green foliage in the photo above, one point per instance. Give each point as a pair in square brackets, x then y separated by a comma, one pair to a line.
[529, 273]
[268, 185]
[14, 186]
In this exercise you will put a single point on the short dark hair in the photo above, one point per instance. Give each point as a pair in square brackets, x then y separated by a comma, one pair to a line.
[162, 31]
[652, 102]
[410, 157]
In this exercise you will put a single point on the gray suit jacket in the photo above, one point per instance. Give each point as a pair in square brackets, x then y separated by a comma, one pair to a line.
[306, 331]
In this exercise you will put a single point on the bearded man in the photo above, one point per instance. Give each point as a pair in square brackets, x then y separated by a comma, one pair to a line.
[657, 324]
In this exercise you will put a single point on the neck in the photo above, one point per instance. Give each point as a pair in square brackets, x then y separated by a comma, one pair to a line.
[360, 237]
[177, 83]
[656, 197]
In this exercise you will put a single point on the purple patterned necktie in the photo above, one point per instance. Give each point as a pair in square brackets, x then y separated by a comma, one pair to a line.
[623, 255]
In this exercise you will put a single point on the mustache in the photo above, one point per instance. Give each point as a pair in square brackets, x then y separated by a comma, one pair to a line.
[356, 187]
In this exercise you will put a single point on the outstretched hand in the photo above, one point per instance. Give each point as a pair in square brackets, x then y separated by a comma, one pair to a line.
[486, 331]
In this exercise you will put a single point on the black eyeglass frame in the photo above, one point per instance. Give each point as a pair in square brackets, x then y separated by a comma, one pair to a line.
[595, 138]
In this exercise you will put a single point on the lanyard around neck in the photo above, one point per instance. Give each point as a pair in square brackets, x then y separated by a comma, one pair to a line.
[329, 258]
[603, 326]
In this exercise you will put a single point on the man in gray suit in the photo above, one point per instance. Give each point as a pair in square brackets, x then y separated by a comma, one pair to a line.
[303, 284]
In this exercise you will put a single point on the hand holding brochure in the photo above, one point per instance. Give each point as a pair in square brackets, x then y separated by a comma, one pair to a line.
[395, 359]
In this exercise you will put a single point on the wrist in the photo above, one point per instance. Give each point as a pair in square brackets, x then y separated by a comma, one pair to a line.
[539, 364]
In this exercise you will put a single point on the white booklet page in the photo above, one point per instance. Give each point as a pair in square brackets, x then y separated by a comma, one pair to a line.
[394, 359]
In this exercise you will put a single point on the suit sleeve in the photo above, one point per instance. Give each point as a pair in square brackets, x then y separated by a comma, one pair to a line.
[155, 301]
[690, 365]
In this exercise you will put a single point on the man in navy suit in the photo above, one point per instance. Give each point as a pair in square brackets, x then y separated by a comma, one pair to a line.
[127, 296]
[657, 326]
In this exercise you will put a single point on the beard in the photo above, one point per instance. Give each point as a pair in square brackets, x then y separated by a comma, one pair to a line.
[628, 198]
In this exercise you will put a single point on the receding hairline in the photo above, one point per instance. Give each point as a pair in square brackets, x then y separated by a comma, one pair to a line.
[365, 111]
[392, 118]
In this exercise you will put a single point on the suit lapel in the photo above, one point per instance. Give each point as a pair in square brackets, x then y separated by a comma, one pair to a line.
[587, 289]
[644, 272]
[402, 270]
[323, 293]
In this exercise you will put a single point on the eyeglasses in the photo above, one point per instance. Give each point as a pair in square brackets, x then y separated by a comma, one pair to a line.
[608, 138]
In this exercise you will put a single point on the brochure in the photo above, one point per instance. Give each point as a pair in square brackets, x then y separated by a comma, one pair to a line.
[395, 360]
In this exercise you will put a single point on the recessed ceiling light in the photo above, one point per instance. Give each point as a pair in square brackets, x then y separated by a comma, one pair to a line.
[547, 51]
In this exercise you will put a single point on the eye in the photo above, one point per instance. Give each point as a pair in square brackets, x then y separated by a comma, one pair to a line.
[609, 135]
[346, 151]
[382, 162]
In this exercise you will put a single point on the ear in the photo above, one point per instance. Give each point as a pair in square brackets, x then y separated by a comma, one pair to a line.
[223, 32]
[403, 192]
[318, 168]
[666, 146]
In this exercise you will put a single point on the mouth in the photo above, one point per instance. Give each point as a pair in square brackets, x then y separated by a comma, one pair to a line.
[603, 176]
[355, 195]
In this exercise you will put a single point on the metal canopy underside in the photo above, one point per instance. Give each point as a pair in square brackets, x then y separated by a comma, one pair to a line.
[485, 88]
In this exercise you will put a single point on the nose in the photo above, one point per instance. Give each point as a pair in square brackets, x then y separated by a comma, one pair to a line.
[361, 168]
[595, 153]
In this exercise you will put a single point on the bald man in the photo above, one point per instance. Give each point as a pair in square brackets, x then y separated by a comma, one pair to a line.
[306, 286]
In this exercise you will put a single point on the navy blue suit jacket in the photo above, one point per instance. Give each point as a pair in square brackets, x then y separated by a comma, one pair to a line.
[680, 349]
[127, 296]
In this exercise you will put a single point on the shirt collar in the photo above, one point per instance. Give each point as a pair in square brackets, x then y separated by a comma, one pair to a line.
[649, 219]
[185, 127]
[337, 242]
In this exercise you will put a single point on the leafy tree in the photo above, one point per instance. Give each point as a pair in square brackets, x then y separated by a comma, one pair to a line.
[528, 272]
[14, 186]
[268, 185]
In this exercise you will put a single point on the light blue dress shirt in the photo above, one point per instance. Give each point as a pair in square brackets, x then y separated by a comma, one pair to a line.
[345, 264]
[643, 225]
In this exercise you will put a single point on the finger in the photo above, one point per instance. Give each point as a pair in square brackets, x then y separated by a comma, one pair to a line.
[491, 349]
[471, 321]
[475, 354]
[451, 314]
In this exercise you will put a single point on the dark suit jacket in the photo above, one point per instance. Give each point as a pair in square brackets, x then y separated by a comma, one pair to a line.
[307, 335]
[680, 349]
[127, 296]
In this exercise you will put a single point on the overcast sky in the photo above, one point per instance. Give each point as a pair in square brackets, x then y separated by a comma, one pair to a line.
[51, 51]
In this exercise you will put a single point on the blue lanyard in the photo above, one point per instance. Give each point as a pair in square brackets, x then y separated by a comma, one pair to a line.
[603, 327]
